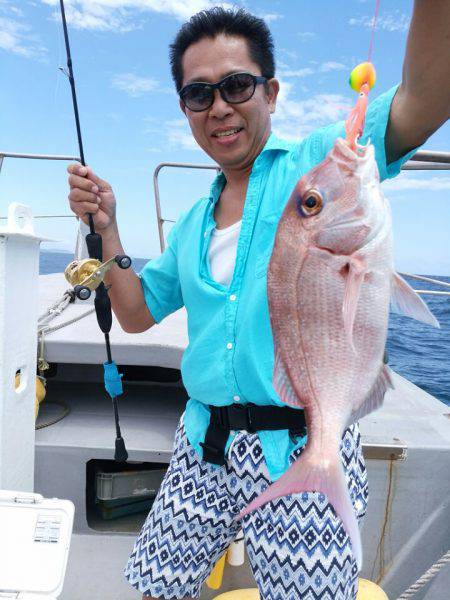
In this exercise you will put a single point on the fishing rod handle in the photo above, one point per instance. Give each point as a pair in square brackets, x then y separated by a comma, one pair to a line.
[103, 311]
[94, 245]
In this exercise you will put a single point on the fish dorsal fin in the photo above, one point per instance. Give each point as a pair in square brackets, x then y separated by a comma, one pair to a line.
[405, 300]
[375, 397]
[282, 383]
[353, 272]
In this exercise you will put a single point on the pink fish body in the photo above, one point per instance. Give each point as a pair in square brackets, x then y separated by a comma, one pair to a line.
[330, 281]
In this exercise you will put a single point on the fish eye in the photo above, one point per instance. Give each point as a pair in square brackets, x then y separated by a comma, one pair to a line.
[311, 203]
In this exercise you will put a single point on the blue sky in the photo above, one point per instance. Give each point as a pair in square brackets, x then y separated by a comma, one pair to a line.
[131, 120]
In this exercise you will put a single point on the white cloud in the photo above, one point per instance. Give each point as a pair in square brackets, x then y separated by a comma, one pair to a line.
[305, 72]
[286, 52]
[395, 21]
[14, 9]
[136, 86]
[331, 66]
[178, 135]
[295, 119]
[325, 67]
[270, 17]
[405, 182]
[122, 15]
[16, 35]
[306, 35]
[14, 38]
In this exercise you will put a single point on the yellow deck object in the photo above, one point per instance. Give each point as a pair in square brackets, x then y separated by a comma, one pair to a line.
[247, 594]
[40, 392]
[214, 580]
[367, 590]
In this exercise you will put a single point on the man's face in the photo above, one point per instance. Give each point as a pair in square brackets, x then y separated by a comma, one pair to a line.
[210, 60]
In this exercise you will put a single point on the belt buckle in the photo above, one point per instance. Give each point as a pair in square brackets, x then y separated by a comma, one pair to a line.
[222, 416]
[244, 418]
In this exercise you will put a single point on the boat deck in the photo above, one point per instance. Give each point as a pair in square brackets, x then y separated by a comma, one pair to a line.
[410, 421]
[409, 415]
[96, 558]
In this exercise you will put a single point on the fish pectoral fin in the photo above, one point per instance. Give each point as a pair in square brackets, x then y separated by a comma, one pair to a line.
[310, 474]
[282, 383]
[375, 397]
[353, 272]
[405, 300]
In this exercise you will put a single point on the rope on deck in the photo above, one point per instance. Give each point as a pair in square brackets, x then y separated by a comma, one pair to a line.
[44, 328]
[426, 577]
[55, 310]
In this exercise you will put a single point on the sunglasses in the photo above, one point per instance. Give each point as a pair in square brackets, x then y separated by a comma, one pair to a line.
[234, 89]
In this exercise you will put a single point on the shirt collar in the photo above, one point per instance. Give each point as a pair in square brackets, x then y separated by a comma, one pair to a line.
[273, 143]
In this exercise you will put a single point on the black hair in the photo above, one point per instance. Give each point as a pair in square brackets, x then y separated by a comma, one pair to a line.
[233, 22]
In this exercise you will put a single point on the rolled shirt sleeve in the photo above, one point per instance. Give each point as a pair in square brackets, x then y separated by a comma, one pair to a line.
[160, 280]
[377, 118]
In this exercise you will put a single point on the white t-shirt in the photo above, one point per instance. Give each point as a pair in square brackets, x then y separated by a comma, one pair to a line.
[222, 252]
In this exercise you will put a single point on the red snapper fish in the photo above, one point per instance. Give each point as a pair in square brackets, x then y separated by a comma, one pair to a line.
[330, 280]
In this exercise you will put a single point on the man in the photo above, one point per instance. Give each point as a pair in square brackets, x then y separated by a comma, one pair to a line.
[215, 265]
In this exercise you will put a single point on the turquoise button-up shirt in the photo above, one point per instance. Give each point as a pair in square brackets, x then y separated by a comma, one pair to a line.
[230, 355]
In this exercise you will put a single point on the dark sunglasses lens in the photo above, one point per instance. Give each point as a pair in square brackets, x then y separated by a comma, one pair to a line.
[197, 97]
[238, 88]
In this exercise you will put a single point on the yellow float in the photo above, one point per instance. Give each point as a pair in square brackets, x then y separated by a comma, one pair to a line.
[248, 594]
[40, 392]
[367, 590]
[214, 581]
[361, 74]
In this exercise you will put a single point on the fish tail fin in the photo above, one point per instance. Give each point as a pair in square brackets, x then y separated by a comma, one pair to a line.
[308, 474]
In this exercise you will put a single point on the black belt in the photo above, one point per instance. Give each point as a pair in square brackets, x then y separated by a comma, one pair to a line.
[249, 417]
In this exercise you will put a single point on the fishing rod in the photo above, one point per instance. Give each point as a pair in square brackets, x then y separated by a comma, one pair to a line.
[88, 275]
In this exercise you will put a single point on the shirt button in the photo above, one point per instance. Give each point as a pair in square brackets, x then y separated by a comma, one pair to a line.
[229, 345]
[232, 297]
[236, 398]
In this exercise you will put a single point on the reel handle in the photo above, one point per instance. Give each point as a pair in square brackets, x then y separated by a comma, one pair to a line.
[82, 292]
[123, 261]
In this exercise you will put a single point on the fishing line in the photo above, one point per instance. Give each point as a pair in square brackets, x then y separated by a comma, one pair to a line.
[374, 26]
[58, 36]
[362, 79]
[102, 303]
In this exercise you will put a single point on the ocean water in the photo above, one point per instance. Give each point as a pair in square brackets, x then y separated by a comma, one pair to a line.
[418, 352]
[422, 353]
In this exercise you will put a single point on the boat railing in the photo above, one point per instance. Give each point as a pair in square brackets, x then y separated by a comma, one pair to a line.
[159, 218]
[428, 160]
[4, 155]
[35, 157]
[423, 160]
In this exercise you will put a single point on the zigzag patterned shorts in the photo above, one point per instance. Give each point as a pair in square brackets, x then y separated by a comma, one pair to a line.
[297, 546]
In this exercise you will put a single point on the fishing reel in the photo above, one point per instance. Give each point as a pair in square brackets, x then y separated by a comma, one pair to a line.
[86, 275]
